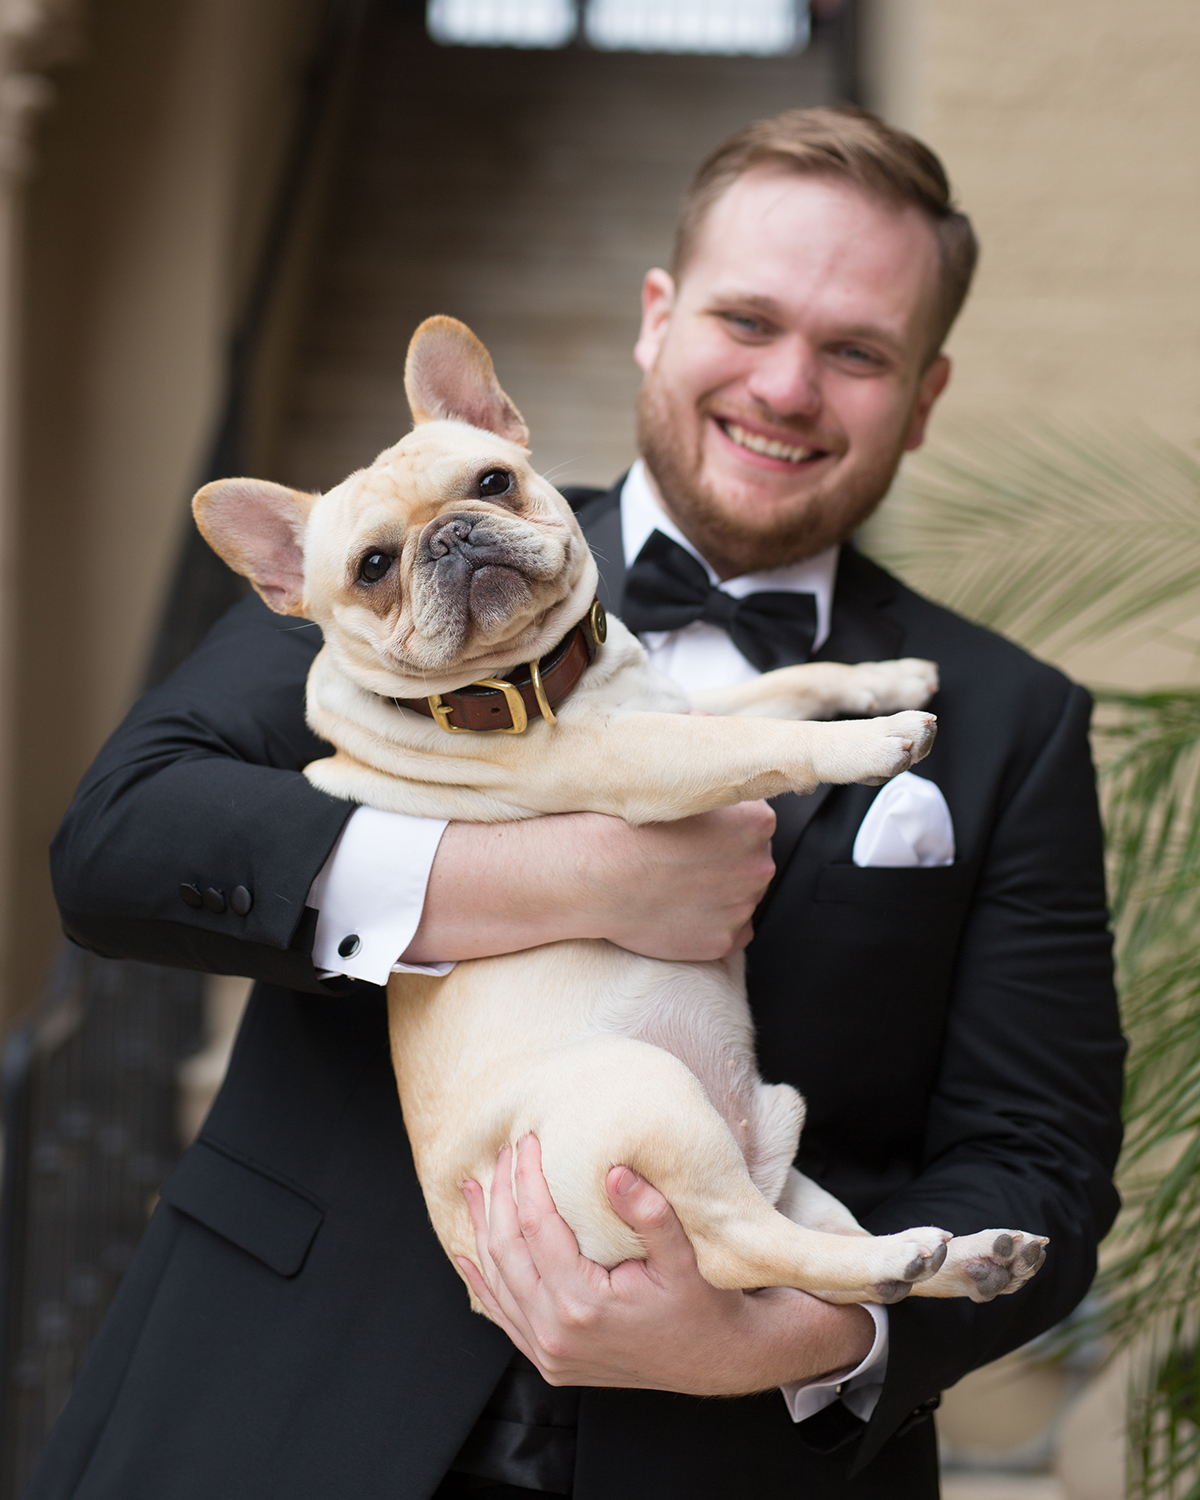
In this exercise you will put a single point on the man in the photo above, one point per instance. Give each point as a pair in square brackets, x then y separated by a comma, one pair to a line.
[290, 1326]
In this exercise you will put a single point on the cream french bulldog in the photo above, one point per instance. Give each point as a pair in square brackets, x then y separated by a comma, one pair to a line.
[450, 565]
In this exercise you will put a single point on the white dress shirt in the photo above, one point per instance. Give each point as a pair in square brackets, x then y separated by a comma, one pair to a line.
[370, 892]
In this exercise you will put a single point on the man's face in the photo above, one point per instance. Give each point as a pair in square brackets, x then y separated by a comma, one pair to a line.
[787, 372]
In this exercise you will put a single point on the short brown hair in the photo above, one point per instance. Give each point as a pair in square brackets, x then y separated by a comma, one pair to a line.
[850, 144]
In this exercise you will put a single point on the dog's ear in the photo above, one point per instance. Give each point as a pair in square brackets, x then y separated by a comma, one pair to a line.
[449, 374]
[257, 527]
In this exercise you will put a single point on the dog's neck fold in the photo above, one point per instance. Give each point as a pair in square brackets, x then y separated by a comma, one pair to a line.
[507, 703]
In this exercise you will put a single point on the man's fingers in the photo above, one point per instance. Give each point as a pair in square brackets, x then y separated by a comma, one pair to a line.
[551, 1240]
[489, 1283]
[477, 1208]
[478, 1284]
[505, 1242]
[645, 1210]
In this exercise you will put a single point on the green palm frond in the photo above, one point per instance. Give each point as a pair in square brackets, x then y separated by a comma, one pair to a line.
[1150, 747]
[1068, 539]
[1053, 537]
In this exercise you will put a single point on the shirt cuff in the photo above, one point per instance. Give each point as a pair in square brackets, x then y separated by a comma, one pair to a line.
[370, 892]
[859, 1390]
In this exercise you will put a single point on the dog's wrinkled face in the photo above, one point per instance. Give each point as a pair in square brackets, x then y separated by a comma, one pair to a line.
[449, 559]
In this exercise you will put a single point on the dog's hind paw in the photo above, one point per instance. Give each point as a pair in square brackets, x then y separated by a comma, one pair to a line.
[909, 1258]
[994, 1262]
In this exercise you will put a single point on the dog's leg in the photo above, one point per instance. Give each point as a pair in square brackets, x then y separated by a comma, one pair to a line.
[643, 767]
[648, 1111]
[981, 1266]
[826, 689]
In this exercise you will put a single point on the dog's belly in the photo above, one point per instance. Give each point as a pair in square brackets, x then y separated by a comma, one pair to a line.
[480, 1054]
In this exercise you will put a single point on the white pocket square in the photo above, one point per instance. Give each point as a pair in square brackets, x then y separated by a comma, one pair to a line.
[908, 824]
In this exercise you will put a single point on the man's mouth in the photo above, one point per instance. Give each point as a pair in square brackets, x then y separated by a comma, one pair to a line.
[753, 442]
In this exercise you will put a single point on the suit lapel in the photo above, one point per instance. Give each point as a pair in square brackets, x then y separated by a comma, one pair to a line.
[861, 627]
[599, 516]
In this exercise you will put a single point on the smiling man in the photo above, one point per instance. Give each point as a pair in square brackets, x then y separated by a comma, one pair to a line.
[930, 962]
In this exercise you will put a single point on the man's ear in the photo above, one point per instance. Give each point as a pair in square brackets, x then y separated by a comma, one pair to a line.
[449, 374]
[658, 299]
[257, 528]
[933, 383]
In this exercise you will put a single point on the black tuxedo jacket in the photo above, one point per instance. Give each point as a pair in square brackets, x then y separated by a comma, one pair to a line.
[291, 1328]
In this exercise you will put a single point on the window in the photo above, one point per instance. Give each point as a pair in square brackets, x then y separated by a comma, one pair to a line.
[756, 27]
[502, 23]
[725, 26]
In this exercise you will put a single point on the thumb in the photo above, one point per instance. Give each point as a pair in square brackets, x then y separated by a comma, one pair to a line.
[648, 1213]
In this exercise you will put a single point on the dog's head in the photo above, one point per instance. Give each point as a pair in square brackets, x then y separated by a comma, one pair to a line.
[447, 560]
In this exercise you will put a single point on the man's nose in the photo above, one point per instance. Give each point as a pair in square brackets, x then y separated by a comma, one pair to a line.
[787, 379]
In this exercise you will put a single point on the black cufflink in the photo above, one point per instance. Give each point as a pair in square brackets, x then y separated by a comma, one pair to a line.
[240, 900]
[349, 945]
[214, 900]
[191, 894]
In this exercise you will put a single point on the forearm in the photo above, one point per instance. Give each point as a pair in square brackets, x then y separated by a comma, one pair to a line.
[501, 887]
[682, 890]
[794, 1338]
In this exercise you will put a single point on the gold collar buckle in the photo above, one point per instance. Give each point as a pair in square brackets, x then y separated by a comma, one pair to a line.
[516, 708]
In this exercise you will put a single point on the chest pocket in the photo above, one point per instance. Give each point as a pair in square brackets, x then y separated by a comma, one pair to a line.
[903, 918]
[910, 886]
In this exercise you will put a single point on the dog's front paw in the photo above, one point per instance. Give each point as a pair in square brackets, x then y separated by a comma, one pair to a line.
[872, 751]
[994, 1262]
[891, 685]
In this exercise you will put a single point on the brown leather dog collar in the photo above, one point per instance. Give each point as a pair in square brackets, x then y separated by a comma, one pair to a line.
[506, 704]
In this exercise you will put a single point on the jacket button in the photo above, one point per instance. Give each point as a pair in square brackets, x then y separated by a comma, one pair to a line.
[214, 900]
[240, 900]
[191, 894]
[349, 945]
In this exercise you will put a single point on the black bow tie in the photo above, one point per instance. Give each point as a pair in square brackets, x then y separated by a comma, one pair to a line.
[667, 588]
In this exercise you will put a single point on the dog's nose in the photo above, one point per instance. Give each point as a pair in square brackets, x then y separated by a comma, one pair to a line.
[449, 535]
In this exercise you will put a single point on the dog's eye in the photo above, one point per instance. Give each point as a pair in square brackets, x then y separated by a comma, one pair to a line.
[374, 566]
[495, 482]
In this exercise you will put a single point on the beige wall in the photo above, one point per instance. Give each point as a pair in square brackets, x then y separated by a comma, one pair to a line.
[1071, 130]
[153, 170]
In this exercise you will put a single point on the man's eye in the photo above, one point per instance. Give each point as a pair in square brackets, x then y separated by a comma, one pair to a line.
[495, 482]
[374, 567]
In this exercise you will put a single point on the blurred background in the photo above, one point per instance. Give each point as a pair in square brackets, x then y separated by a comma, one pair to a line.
[220, 221]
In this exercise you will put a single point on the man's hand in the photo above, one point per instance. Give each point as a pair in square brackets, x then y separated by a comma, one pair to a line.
[682, 890]
[654, 1324]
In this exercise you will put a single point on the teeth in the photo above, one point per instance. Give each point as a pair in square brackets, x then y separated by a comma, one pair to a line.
[768, 447]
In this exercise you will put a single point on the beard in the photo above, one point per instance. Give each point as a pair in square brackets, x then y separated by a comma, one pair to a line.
[738, 541]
